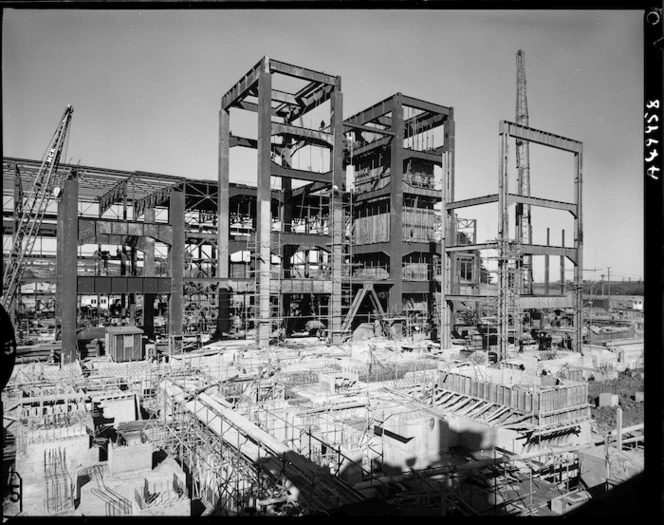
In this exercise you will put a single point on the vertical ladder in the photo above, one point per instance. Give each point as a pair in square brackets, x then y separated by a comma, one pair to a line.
[276, 302]
[347, 257]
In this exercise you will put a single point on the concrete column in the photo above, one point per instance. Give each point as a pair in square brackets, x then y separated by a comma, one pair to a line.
[223, 229]
[69, 257]
[337, 211]
[396, 207]
[263, 204]
[546, 264]
[287, 186]
[578, 246]
[445, 312]
[59, 260]
[148, 271]
[123, 272]
[447, 195]
[286, 227]
[176, 256]
[503, 257]
[132, 296]
[562, 267]
[449, 147]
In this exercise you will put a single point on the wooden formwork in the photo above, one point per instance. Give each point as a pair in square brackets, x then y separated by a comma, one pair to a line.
[551, 404]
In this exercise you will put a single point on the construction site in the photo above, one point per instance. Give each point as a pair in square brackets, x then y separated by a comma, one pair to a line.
[336, 339]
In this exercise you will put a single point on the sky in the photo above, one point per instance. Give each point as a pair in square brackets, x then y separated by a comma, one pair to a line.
[146, 88]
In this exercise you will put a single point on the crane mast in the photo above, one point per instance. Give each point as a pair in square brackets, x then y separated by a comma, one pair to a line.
[524, 226]
[31, 210]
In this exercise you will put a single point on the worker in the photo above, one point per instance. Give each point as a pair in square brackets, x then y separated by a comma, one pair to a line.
[378, 331]
[549, 338]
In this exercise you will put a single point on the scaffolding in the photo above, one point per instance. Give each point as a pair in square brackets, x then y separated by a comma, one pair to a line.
[236, 462]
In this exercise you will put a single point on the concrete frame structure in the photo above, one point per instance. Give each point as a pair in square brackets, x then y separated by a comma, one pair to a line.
[511, 253]
[381, 144]
[391, 139]
[277, 112]
[210, 210]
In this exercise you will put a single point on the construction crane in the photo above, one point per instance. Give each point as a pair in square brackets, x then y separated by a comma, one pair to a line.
[31, 210]
[524, 226]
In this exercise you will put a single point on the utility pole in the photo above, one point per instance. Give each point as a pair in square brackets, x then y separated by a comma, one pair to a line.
[608, 270]
[602, 276]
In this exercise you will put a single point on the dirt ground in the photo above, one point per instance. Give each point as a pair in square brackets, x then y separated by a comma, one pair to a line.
[626, 386]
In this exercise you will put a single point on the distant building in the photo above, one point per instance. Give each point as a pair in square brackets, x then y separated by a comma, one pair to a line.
[91, 301]
[636, 304]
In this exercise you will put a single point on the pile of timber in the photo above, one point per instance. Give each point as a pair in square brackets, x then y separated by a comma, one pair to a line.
[38, 352]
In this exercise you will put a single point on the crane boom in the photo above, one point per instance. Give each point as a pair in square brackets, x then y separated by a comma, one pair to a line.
[32, 208]
[524, 229]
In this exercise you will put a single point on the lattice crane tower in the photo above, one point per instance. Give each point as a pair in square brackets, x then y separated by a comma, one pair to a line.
[524, 226]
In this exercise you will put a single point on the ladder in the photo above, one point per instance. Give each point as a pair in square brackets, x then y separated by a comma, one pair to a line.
[348, 267]
[44, 191]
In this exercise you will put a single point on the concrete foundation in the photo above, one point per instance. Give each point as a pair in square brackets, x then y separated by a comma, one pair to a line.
[414, 440]
[129, 459]
[120, 408]
[74, 441]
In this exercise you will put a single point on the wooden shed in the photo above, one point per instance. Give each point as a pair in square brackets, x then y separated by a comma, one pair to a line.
[124, 343]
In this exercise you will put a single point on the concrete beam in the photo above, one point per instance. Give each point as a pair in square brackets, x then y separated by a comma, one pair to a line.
[96, 284]
[424, 105]
[536, 249]
[240, 141]
[290, 70]
[422, 155]
[372, 113]
[540, 137]
[380, 143]
[362, 127]
[241, 88]
[475, 201]
[290, 173]
[513, 198]
[318, 137]
[472, 247]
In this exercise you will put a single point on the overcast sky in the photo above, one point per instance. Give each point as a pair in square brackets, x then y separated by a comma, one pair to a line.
[146, 89]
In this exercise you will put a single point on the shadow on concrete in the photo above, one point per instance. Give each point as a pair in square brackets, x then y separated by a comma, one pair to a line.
[627, 499]
[402, 493]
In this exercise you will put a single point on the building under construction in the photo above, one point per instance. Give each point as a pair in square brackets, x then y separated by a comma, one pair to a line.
[326, 341]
